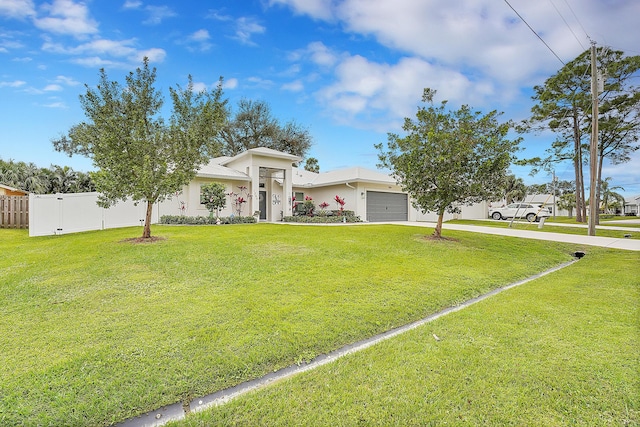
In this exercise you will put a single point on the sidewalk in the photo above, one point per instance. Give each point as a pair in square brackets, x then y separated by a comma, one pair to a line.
[606, 242]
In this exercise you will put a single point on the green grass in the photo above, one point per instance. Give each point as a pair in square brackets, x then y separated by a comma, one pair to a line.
[604, 219]
[550, 228]
[558, 351]
[95, 330]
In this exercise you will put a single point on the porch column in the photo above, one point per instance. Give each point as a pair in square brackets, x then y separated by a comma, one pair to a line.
[287, 188]
[254, 200]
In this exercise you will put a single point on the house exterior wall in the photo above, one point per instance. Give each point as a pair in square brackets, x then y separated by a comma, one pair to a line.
[11, 192]
[475, 211]
[354, 195]
[251, 164]
[191, 198]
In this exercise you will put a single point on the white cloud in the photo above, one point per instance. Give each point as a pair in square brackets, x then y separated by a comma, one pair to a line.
[53, 88]
[198, 40]
[23, 59]
[67, 81]
[199, 87]
[260, 82]
[124, 51]
[8, 41]
[154, 55]
[295, 86]
[200, 35]
[97, 62]
[57, 104]
[230, 83]
[67, 17]
[15, 83]
[321, 54]
[245, 29]
[319, 9]
[157, 14]
[219, 15]
[365, 89]
[132, 4]
[17, 8]
[483, 38]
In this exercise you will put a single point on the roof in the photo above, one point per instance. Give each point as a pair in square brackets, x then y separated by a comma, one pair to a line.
[263, 151]
[538, 198]
[302, 178]
[13, 189]
[215, 170]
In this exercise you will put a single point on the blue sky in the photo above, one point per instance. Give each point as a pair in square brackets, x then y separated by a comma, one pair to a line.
[349, 70]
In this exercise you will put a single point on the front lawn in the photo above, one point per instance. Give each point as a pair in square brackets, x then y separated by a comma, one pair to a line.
[96, 330]
[558, 351]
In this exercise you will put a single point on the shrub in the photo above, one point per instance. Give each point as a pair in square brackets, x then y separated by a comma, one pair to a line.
[325, 218]
[204, 220]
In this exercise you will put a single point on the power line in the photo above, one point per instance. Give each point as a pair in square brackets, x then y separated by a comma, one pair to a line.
[567, 24]
[534, 32]
[579, 23]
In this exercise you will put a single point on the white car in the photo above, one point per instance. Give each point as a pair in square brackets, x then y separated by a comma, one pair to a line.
[530, 211]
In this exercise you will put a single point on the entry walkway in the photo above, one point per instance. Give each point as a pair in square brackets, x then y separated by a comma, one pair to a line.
[606, 242]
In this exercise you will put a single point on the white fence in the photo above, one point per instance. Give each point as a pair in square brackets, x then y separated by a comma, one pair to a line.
[51, 214]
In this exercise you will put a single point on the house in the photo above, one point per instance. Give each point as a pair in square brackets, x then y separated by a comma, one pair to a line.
[5, 190]
[268, 184]
[632, 206]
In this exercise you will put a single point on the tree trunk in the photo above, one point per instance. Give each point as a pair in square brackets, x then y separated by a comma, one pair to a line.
[438, 231]
[146, 233]
[598, 186]
[577, 164]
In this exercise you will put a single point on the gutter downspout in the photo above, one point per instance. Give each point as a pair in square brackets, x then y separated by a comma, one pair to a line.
[355, 197]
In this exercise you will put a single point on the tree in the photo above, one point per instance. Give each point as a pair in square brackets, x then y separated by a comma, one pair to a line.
[513, 189]
[564, 107]
[62, 179]
[254, 126]
[567, 201]
[312, 165]
[136, 153]
[609, 197]
[448, 157]
[214, 197]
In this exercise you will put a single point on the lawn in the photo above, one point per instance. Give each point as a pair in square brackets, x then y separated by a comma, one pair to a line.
[96, 330]
[558, 351]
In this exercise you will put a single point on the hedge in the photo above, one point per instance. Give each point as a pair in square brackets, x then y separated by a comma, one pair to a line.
[205, 220]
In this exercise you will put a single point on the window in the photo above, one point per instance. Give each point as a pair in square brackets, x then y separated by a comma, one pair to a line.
[299, 200]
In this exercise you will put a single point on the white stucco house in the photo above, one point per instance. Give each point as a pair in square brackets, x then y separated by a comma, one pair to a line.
[632, 206]
[269, 182]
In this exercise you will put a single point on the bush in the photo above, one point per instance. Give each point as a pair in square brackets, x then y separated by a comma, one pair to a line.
[205, 220]
[325, 218]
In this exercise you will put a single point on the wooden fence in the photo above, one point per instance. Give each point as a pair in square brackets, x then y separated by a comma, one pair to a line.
[14, 211]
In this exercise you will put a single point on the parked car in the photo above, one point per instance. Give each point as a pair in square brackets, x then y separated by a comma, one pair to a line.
[530, 211]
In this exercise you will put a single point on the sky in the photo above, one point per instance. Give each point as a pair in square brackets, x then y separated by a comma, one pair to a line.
[348, 70]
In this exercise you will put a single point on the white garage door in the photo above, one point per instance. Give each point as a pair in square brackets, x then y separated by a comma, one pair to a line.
[387, 206]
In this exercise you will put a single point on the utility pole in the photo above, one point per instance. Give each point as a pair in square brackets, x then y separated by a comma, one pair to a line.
[593, 203]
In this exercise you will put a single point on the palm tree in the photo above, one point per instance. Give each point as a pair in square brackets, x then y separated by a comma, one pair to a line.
[514, 189]
[63, 179]
[610, 197]
[32, 179]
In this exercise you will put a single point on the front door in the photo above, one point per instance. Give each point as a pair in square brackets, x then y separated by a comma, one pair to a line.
[262, 205]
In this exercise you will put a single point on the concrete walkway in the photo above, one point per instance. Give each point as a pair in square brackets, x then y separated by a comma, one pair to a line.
[605, 242]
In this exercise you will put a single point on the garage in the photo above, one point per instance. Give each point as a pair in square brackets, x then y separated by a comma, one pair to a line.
[383, 206]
